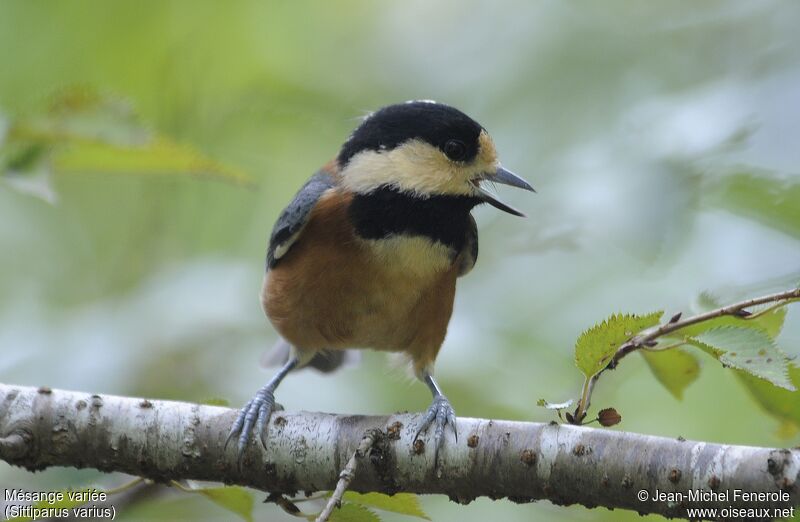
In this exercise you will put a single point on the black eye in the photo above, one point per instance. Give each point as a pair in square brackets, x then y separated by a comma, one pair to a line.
[455, 150]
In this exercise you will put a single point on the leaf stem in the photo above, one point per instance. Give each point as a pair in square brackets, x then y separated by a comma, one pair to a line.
[642, 340]
[769, 309]
[125, 486]
[676, 344]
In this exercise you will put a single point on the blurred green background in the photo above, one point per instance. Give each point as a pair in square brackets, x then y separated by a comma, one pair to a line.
[663, 139]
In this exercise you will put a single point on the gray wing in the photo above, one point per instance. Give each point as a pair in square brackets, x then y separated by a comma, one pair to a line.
[469, 252]
[294, 217]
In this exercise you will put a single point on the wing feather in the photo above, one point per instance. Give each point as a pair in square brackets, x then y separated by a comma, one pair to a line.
[290, 223]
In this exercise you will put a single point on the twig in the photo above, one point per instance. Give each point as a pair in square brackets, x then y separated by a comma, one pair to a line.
[644, 340]
[347, 475]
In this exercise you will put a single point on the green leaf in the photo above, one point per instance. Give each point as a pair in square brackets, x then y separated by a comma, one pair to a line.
[746, 349]
[596, 346]
[21, 157]
[404, 503]
[159, 156]
[233, 498]
[770, 323]
[87, 132]
[215, 401]
[782, 404]
[350, 512]
[676, 369]
[765, 197]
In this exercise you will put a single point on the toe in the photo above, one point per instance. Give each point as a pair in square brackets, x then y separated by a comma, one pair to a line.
[451, 420]
[236, 428]
[252, 419]
[264, 413]
[430, 416]
[440, 414]
[441, 420]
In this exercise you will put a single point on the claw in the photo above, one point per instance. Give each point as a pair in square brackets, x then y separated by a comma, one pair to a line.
[257, 411]
[255, 414]
[442, 414]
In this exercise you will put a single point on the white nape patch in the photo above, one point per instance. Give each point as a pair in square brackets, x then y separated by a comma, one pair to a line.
[416, 256]
[417, 167]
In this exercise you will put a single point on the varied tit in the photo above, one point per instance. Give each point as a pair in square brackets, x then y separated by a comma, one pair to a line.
[368, 252]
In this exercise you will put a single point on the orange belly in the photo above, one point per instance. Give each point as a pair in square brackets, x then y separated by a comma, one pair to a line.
[333, 290]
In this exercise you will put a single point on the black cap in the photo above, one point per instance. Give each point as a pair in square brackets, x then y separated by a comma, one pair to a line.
[444, 127]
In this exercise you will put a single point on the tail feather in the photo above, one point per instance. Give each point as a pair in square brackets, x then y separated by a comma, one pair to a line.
[325, 361]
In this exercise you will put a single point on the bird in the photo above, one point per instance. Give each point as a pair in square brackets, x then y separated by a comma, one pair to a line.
[368, 252]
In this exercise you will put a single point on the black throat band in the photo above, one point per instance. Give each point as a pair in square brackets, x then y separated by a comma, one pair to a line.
[387, 211]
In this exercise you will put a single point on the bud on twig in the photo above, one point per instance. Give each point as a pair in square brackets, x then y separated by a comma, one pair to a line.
[608, 417]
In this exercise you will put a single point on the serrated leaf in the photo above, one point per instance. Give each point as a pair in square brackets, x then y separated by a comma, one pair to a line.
[404, 503]
[554, 405]
[746, 349]
[350, 512]
[676, 369]
[596, 346]
[782, 404]
[235, 499]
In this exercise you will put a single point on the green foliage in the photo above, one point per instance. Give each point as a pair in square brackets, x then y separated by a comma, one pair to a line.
[85, 132]
[746, 344]
[676, 369]
[770, 322]
[349, 512]
[767, 198]
[746, 349]
[782, 404]
[235, 499]
[215, 401]
[276, 87]
[596, 346]
[403, 503]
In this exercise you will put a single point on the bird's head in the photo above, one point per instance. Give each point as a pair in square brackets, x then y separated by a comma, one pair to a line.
[426, 149]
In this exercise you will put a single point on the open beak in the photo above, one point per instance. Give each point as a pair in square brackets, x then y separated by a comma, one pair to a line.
[504, 177]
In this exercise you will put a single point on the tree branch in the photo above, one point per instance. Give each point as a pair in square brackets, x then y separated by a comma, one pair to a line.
[676, 323]
[163, 441]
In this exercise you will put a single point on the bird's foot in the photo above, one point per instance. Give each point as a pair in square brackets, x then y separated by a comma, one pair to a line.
[440, 413]
[253, 419]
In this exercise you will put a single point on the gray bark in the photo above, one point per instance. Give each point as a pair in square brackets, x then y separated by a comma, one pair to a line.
[523, 461]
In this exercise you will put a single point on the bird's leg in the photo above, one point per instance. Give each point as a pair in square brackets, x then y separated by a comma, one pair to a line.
[440, 413]
[257, 411]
